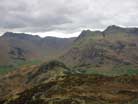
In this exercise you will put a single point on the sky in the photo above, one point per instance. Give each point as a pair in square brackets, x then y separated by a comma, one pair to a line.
[65, 18]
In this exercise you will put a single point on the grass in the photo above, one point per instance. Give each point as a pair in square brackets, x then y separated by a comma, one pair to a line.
[128, 69]
[6, 69]
[115, 71]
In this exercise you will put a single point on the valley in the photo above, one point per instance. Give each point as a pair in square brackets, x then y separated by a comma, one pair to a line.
[97, 67]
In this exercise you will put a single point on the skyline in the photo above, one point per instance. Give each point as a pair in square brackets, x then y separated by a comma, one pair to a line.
[65, 18]
[59, 34]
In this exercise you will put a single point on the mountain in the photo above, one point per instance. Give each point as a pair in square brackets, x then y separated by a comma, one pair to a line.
[114, 30]
[114, 47]
[20, 47]
[98, 67]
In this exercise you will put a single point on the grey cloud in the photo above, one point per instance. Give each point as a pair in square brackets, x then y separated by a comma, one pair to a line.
[66, 15]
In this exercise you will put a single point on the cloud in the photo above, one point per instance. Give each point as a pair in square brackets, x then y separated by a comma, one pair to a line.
[67, 16]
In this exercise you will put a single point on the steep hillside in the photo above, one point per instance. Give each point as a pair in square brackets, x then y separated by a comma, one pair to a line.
[54, 83]
[28, 76]
[116, 46]
[81, 89]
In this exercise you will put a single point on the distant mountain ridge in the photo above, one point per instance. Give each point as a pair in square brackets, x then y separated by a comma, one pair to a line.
[29, 47]
[89, 45]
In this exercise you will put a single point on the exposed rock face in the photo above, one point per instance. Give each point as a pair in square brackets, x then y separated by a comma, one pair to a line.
[113, 46]
[17, 53]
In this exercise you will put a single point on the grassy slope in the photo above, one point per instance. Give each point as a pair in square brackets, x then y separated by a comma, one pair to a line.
[6, 69]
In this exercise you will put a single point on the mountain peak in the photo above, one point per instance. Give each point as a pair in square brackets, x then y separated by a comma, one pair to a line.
[114, 28]
[8, 34]
[19, 35]
[88, 33]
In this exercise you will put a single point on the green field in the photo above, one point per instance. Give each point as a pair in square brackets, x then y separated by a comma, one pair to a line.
[114, 71]
[6, 69]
